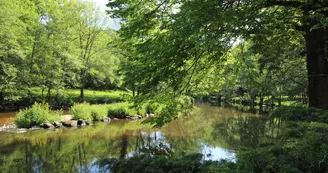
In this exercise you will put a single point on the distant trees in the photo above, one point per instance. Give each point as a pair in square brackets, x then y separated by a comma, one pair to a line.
[54, 45]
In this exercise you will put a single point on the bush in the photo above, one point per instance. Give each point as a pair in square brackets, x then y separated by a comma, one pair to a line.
[98, 112]
[120, 110]
[36, 115]
[89, 112]
[82, 111]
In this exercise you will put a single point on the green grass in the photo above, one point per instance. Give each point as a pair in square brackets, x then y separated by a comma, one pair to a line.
[82, 111]
[118, 110]
[69, 96]
[285, 101]
[89, 112]
[121, 110]
[92, 95]
[98, 112]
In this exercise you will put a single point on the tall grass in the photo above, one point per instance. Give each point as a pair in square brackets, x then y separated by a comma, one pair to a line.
[69, 96]
[118, 110]
[82, 111]
[36, 115]
[98, 112]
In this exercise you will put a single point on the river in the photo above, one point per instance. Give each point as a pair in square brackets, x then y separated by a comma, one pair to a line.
[215, 132]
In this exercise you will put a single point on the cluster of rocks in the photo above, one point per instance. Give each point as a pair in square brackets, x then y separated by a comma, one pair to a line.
[139, 117]
[80, 123]
[70, 123]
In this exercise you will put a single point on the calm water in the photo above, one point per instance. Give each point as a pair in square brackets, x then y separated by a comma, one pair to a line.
[6, 118]
[215, 132]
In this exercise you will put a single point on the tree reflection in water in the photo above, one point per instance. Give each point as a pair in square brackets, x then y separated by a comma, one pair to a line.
[209, 130]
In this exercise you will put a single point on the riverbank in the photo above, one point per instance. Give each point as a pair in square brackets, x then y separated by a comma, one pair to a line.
[80, 114]
[64, 99]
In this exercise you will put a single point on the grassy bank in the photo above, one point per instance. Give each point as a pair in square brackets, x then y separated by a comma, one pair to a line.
[65, 98]
[70, 96]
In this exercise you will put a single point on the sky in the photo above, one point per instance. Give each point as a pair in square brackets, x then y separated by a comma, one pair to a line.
[102, 5]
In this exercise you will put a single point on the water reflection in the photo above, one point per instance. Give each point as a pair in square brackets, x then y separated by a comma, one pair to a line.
[215, 132]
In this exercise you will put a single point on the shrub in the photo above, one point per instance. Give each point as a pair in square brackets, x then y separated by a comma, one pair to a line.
[82, 111]
[120, 110]
[36, 115]
[98, 112]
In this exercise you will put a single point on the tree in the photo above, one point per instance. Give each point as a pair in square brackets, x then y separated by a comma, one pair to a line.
[53, 45]
[91, 35]
[15, 44]
[170, 35]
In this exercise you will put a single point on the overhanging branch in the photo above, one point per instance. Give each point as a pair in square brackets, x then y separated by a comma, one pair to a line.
[293, 4]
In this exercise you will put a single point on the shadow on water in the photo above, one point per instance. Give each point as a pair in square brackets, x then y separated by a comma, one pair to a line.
[215, 132]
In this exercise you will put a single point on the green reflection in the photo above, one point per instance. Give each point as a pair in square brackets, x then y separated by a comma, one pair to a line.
[75, 150]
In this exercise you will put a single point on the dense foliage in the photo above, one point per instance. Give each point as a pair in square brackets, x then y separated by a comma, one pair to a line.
[247, 48]
[54, 45]
[36, 115]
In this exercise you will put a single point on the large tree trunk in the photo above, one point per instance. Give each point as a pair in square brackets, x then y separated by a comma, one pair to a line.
[317, 66]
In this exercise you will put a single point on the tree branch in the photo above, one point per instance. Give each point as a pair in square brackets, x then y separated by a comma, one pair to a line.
[294, 4]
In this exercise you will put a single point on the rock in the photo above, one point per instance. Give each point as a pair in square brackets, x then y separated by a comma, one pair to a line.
[74, 123]
[147, 115]
[70, 124]
[81, 122]
[57, 124]
[35, 127]
[132, 118]
[66, 117]
[48, 125]
[139, 116]
[106, 119]
[151, 115]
